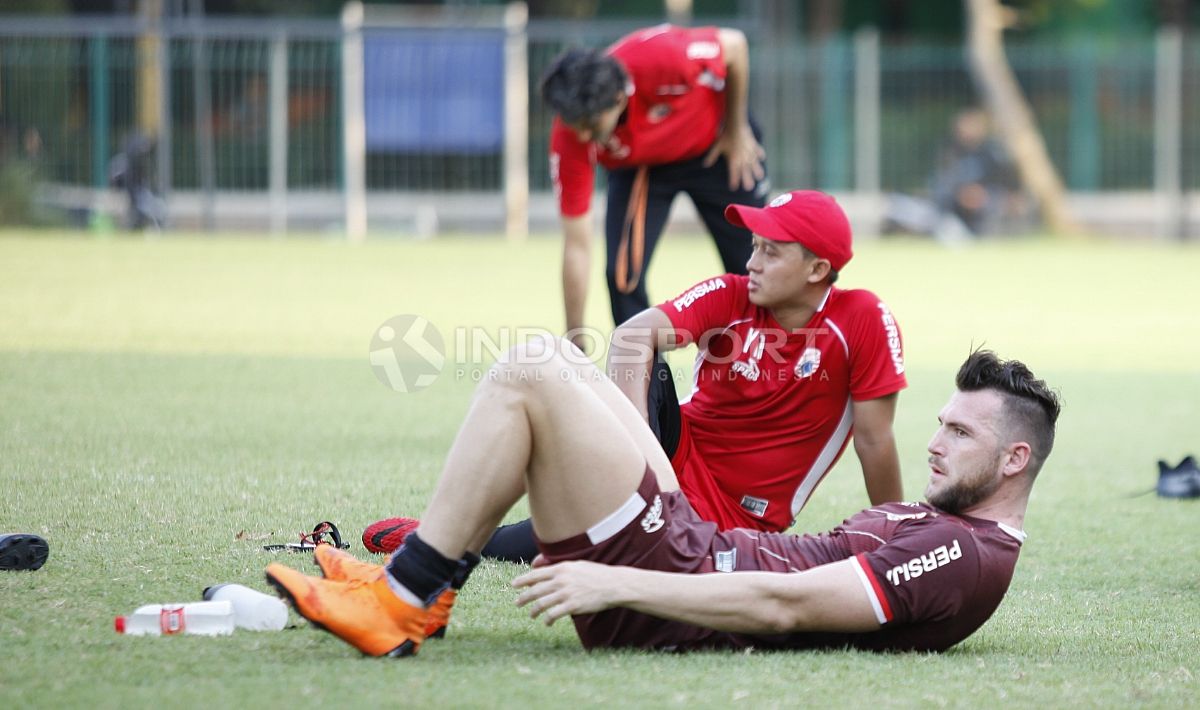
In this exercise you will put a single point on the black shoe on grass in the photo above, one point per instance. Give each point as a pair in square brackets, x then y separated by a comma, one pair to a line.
[22, 551]
[1182, 481]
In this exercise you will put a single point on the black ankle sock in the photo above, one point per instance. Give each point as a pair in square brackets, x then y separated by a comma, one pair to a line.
[421, 569]
[512, 543]
[465, 566]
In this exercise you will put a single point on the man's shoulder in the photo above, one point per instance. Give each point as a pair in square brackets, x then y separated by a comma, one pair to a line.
[733, 284]
[901, 511]
[651, 46]
[853, 299]
[860, 306]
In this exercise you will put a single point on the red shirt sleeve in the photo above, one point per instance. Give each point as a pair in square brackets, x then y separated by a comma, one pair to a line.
[926, 572]
[572, 170]
[709, 304]
[876, 349]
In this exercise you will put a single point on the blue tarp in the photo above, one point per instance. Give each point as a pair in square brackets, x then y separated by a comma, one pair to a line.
[433, 90]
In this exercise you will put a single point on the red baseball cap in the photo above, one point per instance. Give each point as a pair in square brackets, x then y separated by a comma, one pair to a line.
[809, 217]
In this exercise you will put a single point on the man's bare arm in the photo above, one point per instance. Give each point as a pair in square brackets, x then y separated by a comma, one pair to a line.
[826, 598]
[736, 142]
[875, 444]
[576, 268]
[631, 352]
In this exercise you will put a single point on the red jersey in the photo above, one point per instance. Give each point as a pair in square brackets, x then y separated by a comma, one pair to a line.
[770, 410]
[932, 578]
[676, 108]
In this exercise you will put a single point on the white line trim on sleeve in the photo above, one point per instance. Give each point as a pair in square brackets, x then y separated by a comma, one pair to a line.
[864, 533]
[838, 332]
[866, 583]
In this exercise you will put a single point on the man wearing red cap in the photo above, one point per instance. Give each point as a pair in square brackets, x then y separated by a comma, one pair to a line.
[789, 366]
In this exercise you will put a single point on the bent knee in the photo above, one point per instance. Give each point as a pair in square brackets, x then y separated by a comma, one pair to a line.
[537, 349]
[543, 357]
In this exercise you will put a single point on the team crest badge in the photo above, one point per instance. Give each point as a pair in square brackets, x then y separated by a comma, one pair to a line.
[808, 363]
[658, 112]
[781, 200]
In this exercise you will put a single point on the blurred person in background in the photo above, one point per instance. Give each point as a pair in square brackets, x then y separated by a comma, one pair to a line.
[975, 190]
[130, 170]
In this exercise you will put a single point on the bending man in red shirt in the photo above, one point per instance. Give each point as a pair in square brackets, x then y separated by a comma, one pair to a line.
[788, 367]
[664, 110]
[633, 565]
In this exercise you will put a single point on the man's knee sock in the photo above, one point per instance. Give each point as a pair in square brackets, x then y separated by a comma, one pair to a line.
[417, 573]
[465, 567]
[512, 543]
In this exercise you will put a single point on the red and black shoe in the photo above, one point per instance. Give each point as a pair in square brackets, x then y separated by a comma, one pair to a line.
[387, 535]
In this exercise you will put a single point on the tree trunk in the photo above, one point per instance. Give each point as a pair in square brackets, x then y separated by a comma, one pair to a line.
[1010, 112]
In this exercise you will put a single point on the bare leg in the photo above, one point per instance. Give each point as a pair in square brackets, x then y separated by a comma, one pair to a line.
[559, 430]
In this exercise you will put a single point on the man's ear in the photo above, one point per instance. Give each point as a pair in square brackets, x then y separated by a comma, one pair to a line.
[820, 271]
[1016, 458]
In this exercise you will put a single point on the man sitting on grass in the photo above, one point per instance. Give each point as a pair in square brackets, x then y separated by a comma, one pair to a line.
[628, 559]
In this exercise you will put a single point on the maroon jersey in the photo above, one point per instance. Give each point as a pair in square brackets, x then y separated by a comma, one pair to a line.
[933, 578]
[770, 410]
[676, 106]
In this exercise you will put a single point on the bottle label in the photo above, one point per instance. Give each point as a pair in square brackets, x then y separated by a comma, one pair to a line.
[171, 620]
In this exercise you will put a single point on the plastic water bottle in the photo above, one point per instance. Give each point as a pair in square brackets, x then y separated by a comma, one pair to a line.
[203, 618]
[252, 609]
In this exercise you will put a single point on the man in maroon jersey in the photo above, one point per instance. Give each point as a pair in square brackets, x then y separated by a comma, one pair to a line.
[664, 110]
[788, 367]
[626, 556]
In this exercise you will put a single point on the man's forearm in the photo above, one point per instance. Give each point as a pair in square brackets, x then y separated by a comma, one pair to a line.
[630, 362]
[881, 470]
[631, 352]
[737, 79]
[875, 444]
[576, 268]
[717, 601]
[830, 597]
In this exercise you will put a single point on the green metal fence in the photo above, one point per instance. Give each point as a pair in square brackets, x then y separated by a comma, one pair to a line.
[72, 95]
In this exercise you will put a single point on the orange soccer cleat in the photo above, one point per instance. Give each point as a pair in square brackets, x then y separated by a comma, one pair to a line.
[364, 614]
[341, 566]
[439, 614]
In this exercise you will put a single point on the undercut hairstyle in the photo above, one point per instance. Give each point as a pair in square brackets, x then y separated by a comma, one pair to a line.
[1030, 407]
[833, 273]
[582, 83]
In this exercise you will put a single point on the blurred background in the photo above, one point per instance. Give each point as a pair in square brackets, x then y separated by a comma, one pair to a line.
[396, 119]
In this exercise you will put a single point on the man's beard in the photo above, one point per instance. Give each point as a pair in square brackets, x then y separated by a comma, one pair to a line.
[964, 493]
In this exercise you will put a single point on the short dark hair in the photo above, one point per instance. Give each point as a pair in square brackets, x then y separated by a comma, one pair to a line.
[1030, 407]
[581, 83]
[808, 254]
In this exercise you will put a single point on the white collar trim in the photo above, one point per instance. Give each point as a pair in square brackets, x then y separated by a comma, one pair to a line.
[825, 299]
[1019, 535]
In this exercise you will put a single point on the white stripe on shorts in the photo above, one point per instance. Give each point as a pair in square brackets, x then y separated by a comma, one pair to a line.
[617, 521]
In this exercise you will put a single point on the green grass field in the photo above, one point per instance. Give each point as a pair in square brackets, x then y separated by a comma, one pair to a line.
[167, 406]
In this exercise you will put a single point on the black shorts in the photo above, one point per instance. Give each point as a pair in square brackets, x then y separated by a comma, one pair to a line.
[662, 403]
